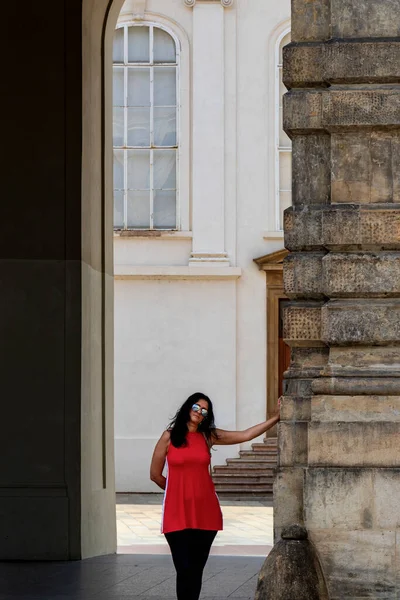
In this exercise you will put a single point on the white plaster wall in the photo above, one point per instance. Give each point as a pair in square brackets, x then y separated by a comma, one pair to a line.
[173, 338]
[179, 336]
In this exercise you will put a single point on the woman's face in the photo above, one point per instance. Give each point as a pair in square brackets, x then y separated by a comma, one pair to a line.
[196, 417]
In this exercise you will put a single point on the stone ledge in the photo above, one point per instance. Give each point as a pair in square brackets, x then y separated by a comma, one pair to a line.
[333, 409]
[178, 272]
[341, 62]
[336, 110]
[343, 227]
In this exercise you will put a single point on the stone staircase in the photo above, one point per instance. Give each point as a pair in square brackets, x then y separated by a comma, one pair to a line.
[250, 474]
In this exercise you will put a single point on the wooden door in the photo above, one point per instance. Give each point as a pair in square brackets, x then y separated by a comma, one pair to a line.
[283, 349]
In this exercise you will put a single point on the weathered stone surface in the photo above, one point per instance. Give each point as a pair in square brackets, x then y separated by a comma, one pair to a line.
[358, 564]
[364, 18]
[375, 322]
[341, 444]
[292, 444]
[302, 275]
[288, 485]
[343, 227]
[351, 409]
[310, 20]
[352, 499]
[358, 361]
[336, 110]
[311, 169]
[295, 408]
[365, 167]
[302, 325]
[292, 571]
[367, 275]
[357, 386]
[341, 62]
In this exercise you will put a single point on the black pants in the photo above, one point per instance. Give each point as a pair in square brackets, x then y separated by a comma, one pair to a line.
[190, 549]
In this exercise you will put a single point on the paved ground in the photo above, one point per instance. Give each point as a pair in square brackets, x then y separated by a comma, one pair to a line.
[145, 570]
[141, 577]
[248, 526]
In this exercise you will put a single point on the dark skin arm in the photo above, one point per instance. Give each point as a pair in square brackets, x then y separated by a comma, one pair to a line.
[158, 460]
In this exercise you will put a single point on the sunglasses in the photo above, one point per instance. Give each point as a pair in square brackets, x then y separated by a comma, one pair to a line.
[197, 408]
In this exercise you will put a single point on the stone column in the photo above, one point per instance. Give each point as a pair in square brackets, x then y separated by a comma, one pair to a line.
[342, 112]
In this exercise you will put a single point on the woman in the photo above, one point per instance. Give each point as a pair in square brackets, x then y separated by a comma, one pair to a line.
[191, 511]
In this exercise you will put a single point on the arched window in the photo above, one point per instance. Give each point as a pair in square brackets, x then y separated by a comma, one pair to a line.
[145, 136]
[283, 143]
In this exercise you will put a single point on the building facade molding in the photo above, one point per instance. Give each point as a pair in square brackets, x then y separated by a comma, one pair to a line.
[224, 3]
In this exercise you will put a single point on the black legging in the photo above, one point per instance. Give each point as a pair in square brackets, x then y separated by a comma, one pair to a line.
[190, 549]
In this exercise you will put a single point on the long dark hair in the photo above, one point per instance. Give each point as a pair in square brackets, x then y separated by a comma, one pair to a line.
[179, 428]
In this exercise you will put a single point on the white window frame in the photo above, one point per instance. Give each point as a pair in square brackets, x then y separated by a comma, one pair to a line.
[273, 230]
[182, 115]
[278, 148]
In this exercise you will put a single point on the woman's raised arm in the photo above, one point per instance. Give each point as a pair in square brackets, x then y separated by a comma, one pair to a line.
[158, 460]
[237, 437]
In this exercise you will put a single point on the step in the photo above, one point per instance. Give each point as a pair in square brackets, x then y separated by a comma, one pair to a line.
[233, 488]
[258, 455]
[243, 479]
[261, 461]
[253, 470]
[240, 493]
[271, 442]
[264, 448]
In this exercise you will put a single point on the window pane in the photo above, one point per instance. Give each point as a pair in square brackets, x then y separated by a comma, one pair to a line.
[138, 212]
[118, 87]
[138, 127]
[138, 44]
[285, 200]
[118, 209]
[119, 169]
[118, 45]
[284, 140]
[118, 126]
[284, 41]
[164, 209]
[139, 169]
[164, 86]
[138, 87]
[164, 47]
[285, 171]
[165, 126]
[164, 169]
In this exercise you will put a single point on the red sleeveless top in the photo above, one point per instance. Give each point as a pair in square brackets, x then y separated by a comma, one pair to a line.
[190, 501]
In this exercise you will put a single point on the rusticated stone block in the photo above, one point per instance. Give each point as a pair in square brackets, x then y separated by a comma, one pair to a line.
[336, 110]
[310, 20]
[332, 409]
[341, 62]
[302, 325]
[311, 168]
[372, 322]
[365, 167]
[288, 498]
[303, 228]
[358, 564]
[364, 18]
[303, 111]
[302, 275]
[293, 444]
[356, 386]
[342, 227]
[295, 408]
[358, 361]
[357, 444]
[361, 275]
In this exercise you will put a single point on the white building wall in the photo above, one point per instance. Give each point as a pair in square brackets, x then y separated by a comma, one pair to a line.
[179, 328]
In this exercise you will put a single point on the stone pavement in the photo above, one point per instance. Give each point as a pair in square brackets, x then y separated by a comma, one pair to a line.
[119, 577]
[248, 526]
[143, 570]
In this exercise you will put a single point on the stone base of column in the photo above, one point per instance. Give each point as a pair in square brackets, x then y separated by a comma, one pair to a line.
[208, 259]
[292, 571]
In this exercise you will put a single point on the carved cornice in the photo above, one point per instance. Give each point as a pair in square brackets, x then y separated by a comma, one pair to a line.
[225, 3]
